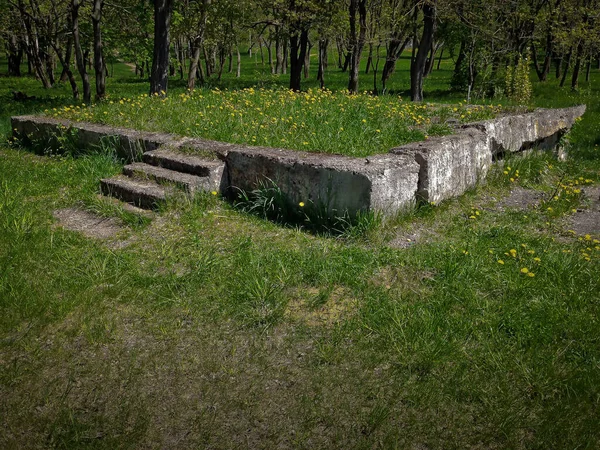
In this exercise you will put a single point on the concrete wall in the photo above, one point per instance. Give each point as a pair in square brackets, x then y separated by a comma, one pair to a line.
[452, 164]
[449, 165]
[433, 170]
[340, 183]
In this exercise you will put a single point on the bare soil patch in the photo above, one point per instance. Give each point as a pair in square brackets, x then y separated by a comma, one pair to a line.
[89, 224]
[587, 221]
[520, 199]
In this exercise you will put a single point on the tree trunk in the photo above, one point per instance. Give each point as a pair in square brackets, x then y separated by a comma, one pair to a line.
[98, 57]
[159, 77]
[32, 47]
[322, 59]
[394, 50]
[298, 46]
[222, 58]
[588, 70]
[460, 59]
[566, 69]
[429, 63]
[307, 61]
[376, 69]
[357, 41]
[87, 91]
[191, 84]
[278, 51]
[340, 52]
[440, 59]
[207, 64]
[369, 59]
[285, 57]
[48, 58]
[577, 68]
[15, 55]
[347, 59]
[262, 55]
[547, 57]
[238, 72]
[196, 45]
[418, 65]
[67, 71]
[66, 61]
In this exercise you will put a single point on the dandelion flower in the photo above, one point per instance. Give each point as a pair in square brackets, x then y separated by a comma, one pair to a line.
[214, 192]
[524, 270]
[500, 262]
[301, 204]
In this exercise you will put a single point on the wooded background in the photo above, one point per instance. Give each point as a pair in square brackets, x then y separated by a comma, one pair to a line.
[200, 39]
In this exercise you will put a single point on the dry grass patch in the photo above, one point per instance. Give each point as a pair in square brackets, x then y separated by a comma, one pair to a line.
[321, 307]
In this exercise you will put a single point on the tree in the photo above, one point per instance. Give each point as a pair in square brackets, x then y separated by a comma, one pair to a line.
[357, 40]
[99, 65]
[417, 66]
[81, 66]
[395, 19]
[159, 76]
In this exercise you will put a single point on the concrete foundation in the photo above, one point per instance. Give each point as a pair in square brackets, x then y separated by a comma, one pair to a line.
[433, 170]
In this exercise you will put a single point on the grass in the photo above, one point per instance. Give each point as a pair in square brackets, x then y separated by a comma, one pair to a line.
[315, 120]
[210, 327]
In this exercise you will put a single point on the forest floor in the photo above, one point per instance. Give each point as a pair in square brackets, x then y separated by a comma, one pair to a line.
[468, 324]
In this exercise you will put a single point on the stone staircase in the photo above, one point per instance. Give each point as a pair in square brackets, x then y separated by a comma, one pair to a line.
[164, 173]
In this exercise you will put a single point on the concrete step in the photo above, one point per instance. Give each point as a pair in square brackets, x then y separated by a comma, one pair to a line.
[142, 193]
[213, 169]
[185, 181]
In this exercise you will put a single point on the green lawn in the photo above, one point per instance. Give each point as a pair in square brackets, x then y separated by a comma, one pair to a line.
[207, 327]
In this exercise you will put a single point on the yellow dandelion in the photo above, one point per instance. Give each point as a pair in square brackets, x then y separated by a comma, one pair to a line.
[500, 262]
[524, 270]
[301, 204]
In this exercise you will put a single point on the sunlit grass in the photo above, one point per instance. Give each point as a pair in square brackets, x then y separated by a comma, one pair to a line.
[315, 120]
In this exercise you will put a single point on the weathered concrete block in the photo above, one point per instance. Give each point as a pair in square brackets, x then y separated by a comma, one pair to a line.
[385, 182]
[541, 128]
[449, 165]
[129, 144]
